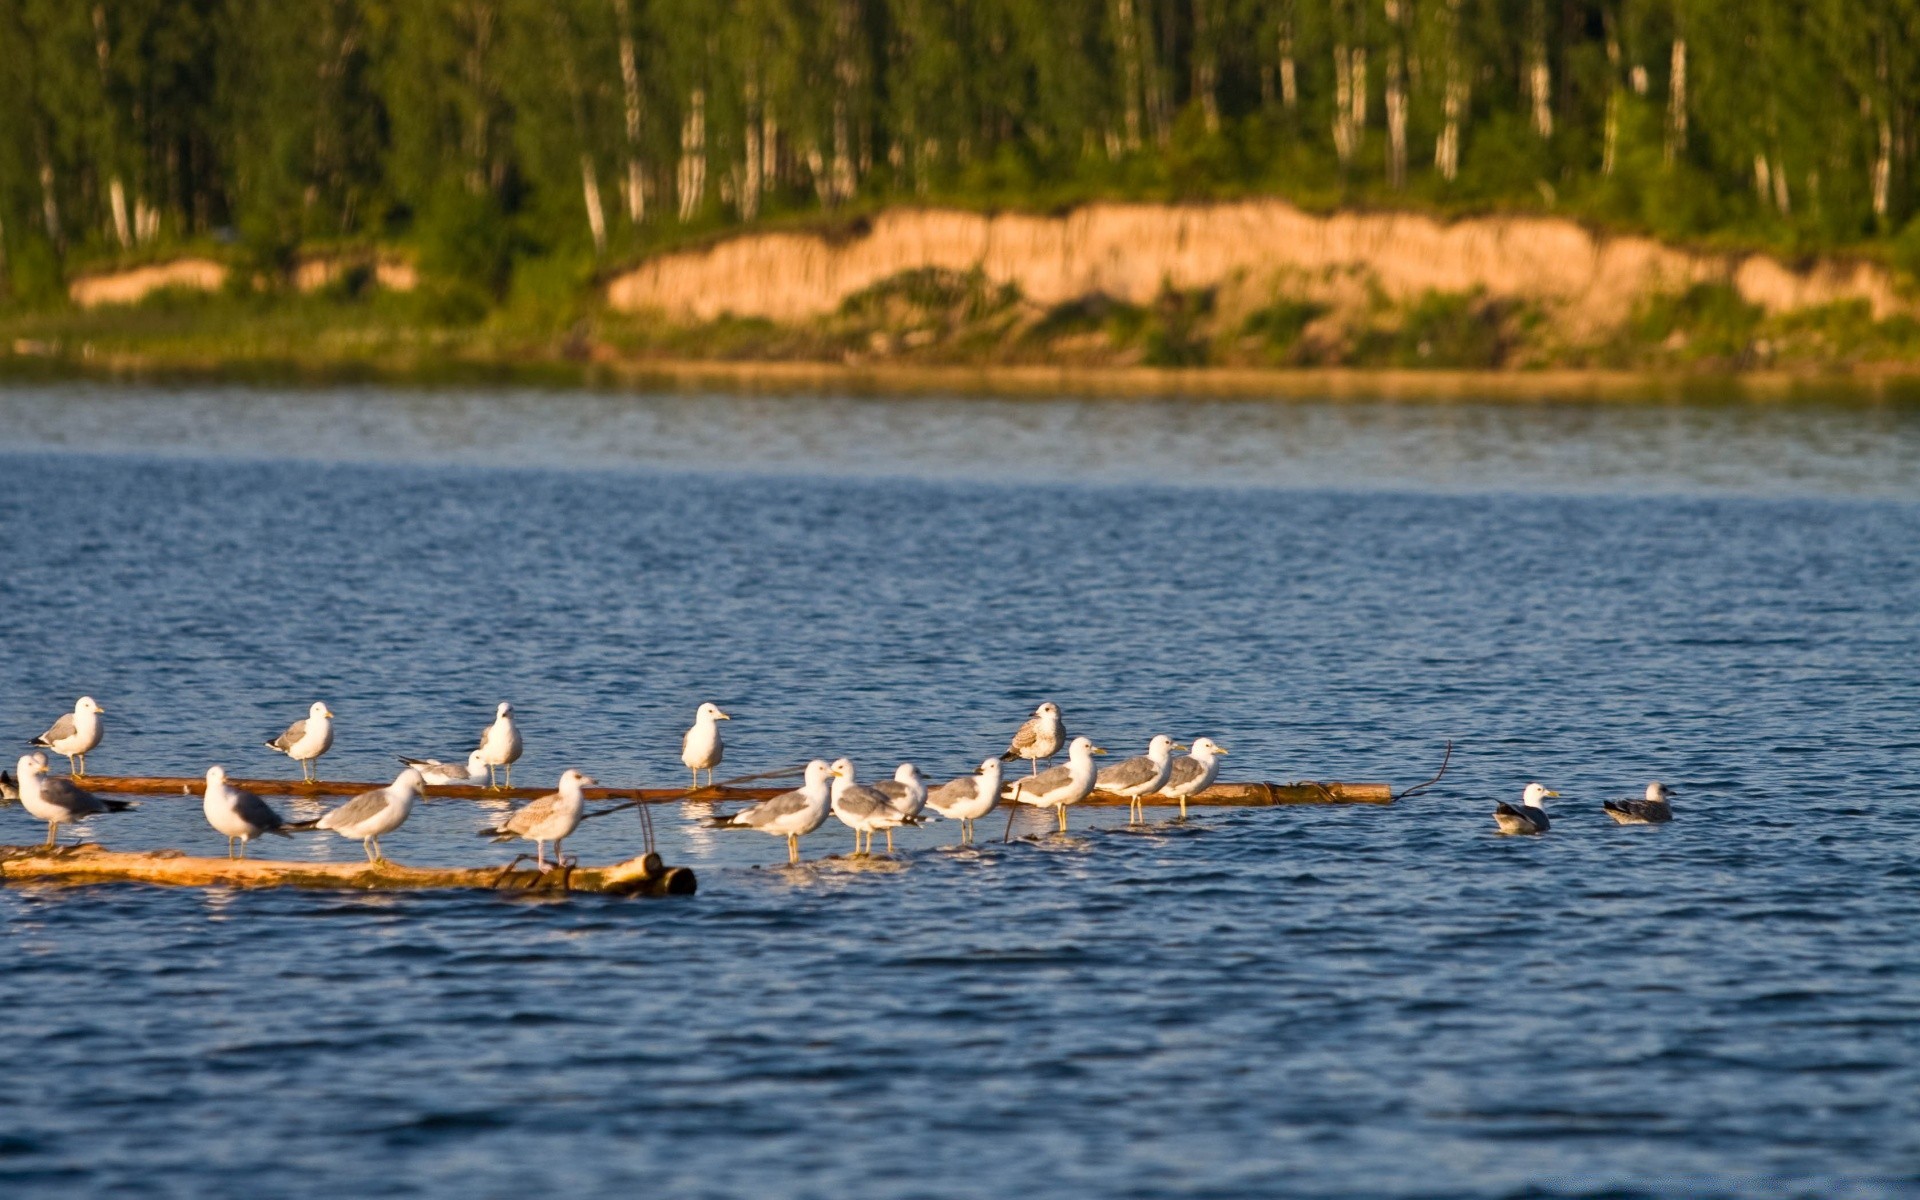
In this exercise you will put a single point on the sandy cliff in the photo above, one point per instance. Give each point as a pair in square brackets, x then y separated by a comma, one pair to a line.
[1127, 251]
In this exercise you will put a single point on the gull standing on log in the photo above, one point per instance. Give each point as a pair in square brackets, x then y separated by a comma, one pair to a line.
[968, 798]
[1529, 817]
[58, 801]
[1654, 810]
[1040, 738]
[1057, 787]
[907, 792]
[1194, 773]
[701, 749]
[370, 814]
[446, 774]
[792, 815]
[74, 734]
[860, 808]
[500, 743]
[551, 818]
[1143, 776]
[305, 741]
[238, 813]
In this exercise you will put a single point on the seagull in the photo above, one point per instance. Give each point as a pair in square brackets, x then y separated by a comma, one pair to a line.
[551, 818]
[792, 815]
[1654, 810]
[305, 741]
[969, 797]
[237, 813]
[1057, 787]
[442, 774]
[9, 788]
[1138, 777]
[58, 801]
[701, 749]
[1194, 774]
[500, 743]
[74, 734]
[370, 814]
[1530, 817]
[1039, 738]
[907, 792]
[860, 808]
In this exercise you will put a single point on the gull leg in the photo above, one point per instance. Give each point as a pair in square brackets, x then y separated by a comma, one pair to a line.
[793, 849]
[1063, 818]
[889, 839]
[509, 775]
[51, 826]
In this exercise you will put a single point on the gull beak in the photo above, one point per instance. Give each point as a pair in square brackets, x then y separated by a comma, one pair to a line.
[589, 781]
[1098, 750]
[1219, 749]
[1181, 746]
[723, 716]
[329, 713]
[1556, 795]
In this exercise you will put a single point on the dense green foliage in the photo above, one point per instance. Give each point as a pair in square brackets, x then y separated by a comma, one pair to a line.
[488, 133]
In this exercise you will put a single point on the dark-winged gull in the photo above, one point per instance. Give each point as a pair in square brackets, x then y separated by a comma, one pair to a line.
[1142, 776]
[370, 814]
[907, 792]
[1654, 810]
[551, 818]
[500, 743]
[238, 813]
[969, 797]
[305, 741]
[701, 748]
[1531, 814]
[436, 773]
[1039, 738]
[1057, 787]
[9, 788]
[860, 808]
[1194, 773]
[792, 815]
[74, 734]
[59, 801]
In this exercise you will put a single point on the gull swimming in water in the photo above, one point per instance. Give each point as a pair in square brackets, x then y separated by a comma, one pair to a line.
[238, 813]
[305, 741]
[907, 792]
[1529, 817]
[59, 801]
[701, 749]
[445, 774]
[1039, 738]
[1143, 776]
[74, 734]
[792, 815]
[1057, 787]
[500, 743]
[370, 814]
[968, 798]
[551, 818]
[860, 808]
[1194, 774]
[1654, 810]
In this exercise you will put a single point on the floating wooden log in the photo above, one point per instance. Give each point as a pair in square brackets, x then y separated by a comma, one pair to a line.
[1230, 795]
[643, 876]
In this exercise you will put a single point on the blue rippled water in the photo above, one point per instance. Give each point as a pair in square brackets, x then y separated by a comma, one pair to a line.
[1324, 1002]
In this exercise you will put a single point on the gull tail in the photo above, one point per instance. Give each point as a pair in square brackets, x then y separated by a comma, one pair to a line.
[313, 824]
[1010, 755]
[722, 823]
[118, 805]
[497, 834]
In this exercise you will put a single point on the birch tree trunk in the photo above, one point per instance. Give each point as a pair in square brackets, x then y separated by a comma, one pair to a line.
[1206, 63]
[1126, 29]
[693, 156]
[1677, 102]
[1446, 148]
[1539, 75]
[116, 191]
[1396, 100]
[1289, 74]
[630, 86]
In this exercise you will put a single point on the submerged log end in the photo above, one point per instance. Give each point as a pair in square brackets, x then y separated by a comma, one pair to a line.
[648, 876]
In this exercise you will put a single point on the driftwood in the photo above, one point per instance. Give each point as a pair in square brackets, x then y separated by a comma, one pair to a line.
[643, 876]
[1257, 795]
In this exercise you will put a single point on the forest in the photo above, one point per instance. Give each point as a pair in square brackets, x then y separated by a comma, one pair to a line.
[485, 135]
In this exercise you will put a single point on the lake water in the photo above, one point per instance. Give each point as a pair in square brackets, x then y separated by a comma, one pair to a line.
[1351, 1002]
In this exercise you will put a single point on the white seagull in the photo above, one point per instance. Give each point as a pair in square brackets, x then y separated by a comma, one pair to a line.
[370, 814]
[1529, 817]
[1194, 774]
[701, 749]
[551, 818]
[1057, 787]
[238, 813]
[443, 774]
[860, 808]
[58, 801]
[907, 792]
[1143, 776]
[969, 797]
[1656, 809]
[500, 743]
[1039, 738]
[792, 815]
[74, 734]
[305, 741]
